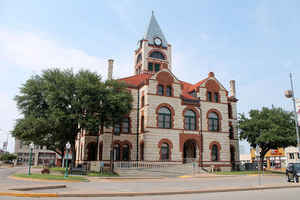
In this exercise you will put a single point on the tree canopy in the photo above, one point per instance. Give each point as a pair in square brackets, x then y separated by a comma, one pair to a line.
[58, 104]
[268, 128]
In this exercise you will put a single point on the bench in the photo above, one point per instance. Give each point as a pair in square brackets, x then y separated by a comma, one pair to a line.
[81, 170]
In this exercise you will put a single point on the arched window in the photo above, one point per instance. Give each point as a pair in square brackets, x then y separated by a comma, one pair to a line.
[117, 152]
[160, 90]
[158, 55]
[165, 151]
[164, 118]
[213, 121]
[190, 120]
[169, 91]
[126, 152]
[214, 153]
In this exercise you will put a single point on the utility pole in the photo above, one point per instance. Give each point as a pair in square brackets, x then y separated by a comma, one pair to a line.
[291, 94]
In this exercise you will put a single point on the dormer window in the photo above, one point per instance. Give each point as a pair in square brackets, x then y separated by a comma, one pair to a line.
[150, 66]
[157, 55]
[139, 58]
[169, 91]
[209, 96]
[160, 90]
[216, 97]
[157, 67]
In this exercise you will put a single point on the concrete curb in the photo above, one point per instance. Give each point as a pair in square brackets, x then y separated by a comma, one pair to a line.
[39, 187]
[45, 180]
[130, 194]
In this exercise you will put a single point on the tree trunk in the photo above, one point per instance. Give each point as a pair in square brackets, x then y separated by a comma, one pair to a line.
[262, 156]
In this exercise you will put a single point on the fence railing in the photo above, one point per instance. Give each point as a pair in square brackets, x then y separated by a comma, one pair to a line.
[143, 164]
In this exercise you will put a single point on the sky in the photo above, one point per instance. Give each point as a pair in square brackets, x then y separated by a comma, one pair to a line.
[255, 42]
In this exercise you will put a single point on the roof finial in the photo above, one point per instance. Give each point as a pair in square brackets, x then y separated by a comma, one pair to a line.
[152, 12]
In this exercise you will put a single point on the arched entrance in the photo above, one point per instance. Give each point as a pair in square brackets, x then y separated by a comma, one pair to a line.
[189, 151]
[92, 151]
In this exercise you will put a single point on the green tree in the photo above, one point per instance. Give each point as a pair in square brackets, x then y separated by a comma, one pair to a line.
[57, 105]
[268, 128]
[8, 157]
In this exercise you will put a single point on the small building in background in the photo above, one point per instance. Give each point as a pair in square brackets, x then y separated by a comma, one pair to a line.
[274, 158]
[40, 155]
[292, 154]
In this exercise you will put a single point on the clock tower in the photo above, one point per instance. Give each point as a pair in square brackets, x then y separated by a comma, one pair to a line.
[153, 53]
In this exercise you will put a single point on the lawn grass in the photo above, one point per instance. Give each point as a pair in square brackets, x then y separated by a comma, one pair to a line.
[245, 173]
[104, 174]
[50, 177]
[58, 169]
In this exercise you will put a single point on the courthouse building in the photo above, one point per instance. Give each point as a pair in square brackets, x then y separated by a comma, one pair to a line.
[171, 120]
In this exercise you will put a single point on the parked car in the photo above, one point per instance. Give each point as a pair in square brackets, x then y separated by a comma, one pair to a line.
[293, 172]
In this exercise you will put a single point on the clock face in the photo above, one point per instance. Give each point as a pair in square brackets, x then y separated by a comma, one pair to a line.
[157, 41]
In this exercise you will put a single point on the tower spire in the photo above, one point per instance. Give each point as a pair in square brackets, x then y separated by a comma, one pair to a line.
[154, 31]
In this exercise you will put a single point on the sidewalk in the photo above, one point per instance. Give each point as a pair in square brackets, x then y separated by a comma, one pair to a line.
[101, 187]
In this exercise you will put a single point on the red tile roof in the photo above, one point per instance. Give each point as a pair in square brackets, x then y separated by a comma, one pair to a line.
[136, 80]
[197, 84]
[185, 89]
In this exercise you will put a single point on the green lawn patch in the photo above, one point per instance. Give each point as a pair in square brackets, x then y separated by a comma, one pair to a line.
[104, 174]
[50, 177]
[58, 169]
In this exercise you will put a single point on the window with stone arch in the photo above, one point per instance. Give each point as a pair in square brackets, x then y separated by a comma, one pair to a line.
[165, 151]
[190, 120]
[213, 121]
[214, 153]
[164, 118]
[157, 55]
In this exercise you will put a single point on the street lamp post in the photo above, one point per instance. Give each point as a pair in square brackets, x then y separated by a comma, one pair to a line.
[290, 94]
[31, 146]
[68, 146]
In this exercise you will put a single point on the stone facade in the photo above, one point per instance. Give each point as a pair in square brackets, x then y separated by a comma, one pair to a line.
[208, 135]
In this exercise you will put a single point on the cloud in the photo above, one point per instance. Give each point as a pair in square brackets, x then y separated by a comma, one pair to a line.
[34, 52]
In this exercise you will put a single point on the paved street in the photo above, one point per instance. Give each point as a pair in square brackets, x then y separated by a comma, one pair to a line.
[288, 194]
[100, 185]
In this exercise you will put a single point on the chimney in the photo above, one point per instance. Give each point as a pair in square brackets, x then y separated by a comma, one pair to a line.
[232, 88]
[110, 69]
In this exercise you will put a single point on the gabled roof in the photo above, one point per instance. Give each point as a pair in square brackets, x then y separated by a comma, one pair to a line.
[154, 31]
[185, 91]
[197, 85]
[136, 80]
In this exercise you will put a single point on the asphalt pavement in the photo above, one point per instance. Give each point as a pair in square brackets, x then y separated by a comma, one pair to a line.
[288, 194]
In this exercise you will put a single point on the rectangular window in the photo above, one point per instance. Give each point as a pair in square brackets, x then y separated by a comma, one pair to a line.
[209, 96]
[117, 129]
[298, 155]
[157, 67]
[169, 91]
[125, 125]
[216, 95]
[142, 124]
[143, 101]
[291, 155]
[150, 66]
